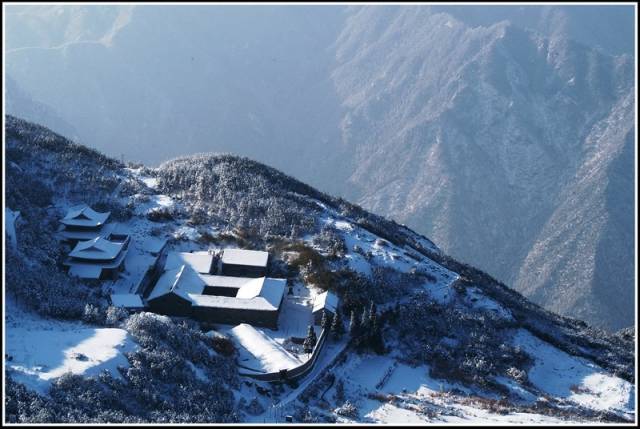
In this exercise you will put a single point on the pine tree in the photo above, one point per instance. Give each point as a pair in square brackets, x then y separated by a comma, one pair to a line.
[376, 342]
[310, 341]
[354, 325]
[373, 321]
[372, 312]
[364, 319]
[326, 320]
[336, 326]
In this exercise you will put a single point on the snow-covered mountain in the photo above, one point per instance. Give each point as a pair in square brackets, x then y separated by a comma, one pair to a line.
[456, 345]
[505, 133]
[511, 150]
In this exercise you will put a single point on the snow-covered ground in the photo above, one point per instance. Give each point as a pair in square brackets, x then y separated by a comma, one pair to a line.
[415, 397]
[585, 383]
[42, 350]
[151, 182]
[153, 202]
[366, 250]
[460, 415]
[295, 314]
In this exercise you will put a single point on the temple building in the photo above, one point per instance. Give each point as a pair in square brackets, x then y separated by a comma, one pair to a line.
[187, 288]
[98, 258]
[82, 223]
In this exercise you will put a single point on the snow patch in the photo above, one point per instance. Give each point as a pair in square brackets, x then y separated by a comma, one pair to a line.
[186, 232]
[151, 182]
[343, 225]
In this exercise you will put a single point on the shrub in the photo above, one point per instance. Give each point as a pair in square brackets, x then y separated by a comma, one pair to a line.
[93, 314]
[347, 409]
[115, 315]
[482, 349]
[119, 212]
[160, 214]
[46, 289]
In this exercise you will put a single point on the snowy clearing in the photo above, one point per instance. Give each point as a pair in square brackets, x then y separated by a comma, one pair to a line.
[575, 379]
[151, 182]
[42, 350]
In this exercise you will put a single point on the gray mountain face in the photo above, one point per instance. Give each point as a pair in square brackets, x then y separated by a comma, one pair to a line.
[508, 149]
[505, 134]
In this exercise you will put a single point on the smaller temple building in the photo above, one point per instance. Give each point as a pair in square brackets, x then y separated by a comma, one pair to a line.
[98, 258]
[82, 223]
[326, 301]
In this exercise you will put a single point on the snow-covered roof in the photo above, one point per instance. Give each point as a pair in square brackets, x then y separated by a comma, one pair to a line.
[84, 215]
[326, 300]
[127, 300]
[261, 352]
[270, 289]
[96, 249]
[182, 281]
[252, 258]
[225, 281]
[257, 294]
[85, 271]
[215, 301]
[69, 234]
[201, 262]
[120, 229]
[273, 290]
[154, 244]
[251, 289]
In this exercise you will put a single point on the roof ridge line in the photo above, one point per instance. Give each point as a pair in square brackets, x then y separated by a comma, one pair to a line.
[175, 282]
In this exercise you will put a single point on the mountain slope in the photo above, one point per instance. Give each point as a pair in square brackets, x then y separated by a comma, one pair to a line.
[590, 230]
[442, 322]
